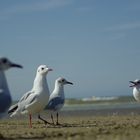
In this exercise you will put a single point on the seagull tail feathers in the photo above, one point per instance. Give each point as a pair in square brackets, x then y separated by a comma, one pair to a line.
[13, 108]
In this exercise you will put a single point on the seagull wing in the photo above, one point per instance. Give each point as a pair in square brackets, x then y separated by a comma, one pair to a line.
[25, 96]
[21, 103]
[27, 101]
[21, 107]
[54, 103]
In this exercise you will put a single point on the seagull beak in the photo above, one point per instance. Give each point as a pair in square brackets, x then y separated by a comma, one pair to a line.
[50, 69]
[69, 83]
[16, 65]
[132, 83]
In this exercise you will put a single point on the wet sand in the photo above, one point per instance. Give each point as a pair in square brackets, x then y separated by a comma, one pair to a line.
[106, 124]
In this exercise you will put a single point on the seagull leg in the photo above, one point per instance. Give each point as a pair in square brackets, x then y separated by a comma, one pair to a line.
[46, 122]
[52, 118]
[30, 117]
[57, 123]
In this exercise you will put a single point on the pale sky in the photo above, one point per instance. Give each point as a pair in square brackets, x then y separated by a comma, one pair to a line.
[93, 43]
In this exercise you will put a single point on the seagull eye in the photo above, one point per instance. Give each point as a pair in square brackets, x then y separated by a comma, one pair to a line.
[63, 80]
[42, 68]
[4, 60]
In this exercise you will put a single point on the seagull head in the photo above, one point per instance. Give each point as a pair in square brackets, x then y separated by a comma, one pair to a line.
[135, 83]
[43, 69]
[63, 81]
[5, 64]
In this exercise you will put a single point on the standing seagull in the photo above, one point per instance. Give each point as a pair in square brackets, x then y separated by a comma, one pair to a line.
[136, 89]
[5, 97]
[57, 98]
[34, 101]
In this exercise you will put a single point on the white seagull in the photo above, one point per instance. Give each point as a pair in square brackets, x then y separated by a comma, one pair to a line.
[57, 98]
[136, 89]
[5, 97]
[34, 101]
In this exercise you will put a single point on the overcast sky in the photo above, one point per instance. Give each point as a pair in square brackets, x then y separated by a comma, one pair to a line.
[93, 43]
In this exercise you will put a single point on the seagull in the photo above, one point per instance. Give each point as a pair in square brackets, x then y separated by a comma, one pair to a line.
[57, 98]
[136, 89]
[34, 101]
[5, 96]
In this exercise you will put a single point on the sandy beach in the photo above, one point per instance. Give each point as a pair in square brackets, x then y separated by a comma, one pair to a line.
[106, 124]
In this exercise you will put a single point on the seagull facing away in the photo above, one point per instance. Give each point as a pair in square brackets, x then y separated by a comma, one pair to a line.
[57, 98]
[5, 97]
[136, 89]
[34, 101]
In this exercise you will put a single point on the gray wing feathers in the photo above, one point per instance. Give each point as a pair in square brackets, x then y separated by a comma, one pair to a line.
[30, 102]
[18, 105]
[25, 96]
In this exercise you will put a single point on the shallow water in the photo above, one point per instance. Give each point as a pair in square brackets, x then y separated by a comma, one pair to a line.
[101, 106]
